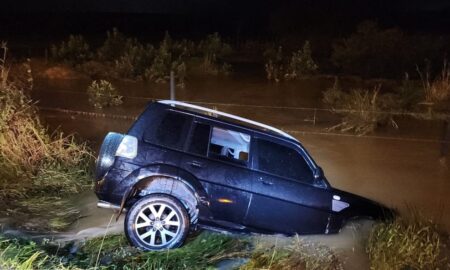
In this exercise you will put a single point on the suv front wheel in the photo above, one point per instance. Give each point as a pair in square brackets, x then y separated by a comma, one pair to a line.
[157, 222]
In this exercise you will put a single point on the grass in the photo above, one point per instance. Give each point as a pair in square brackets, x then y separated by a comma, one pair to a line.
[299, 255]
[26, 255]
[362, 110]
[407, 243]
[437, 90]
[35, 165]
[202, 252]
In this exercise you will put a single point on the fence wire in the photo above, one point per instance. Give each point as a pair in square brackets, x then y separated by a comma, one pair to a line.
[297, 132]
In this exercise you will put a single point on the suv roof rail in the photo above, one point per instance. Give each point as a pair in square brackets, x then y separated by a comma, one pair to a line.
[227, 115]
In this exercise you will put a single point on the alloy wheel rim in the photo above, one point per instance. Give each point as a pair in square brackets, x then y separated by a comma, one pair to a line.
[157, 224]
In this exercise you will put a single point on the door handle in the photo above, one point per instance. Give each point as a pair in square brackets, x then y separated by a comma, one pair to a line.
[195, 164]
[264, 182]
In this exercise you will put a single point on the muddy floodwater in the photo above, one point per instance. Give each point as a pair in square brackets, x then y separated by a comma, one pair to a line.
[399, 168]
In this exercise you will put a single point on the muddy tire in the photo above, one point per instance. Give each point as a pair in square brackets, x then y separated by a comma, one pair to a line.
[157, 222]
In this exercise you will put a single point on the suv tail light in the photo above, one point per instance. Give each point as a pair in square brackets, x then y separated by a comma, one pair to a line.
[128, 147]
[113, 145]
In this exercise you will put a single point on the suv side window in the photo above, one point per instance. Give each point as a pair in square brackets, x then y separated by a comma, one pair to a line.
[229, 145]
[198, 144]
[283, 161]
[170, 132]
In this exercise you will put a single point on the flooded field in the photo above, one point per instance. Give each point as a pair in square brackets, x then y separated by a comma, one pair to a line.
[399, 168]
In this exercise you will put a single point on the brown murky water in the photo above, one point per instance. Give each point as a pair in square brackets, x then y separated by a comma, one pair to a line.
[400, 169]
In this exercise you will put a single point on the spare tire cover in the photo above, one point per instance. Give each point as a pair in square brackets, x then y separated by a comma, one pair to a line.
[107, 153]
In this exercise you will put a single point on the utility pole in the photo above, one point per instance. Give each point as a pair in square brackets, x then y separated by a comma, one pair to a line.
[172, 85]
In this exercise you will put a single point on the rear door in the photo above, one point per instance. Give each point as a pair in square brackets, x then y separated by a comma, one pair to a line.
[285, 199]
[219, 157]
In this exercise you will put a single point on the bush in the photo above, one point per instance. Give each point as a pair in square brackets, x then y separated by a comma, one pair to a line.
[103, 94]
[362, 110]
[214, 50]
[274, 65]
[74, 51]
[113, 47]
[375, 52]
[134, 60]
[406, 243]
[170, 56]
[301, 63]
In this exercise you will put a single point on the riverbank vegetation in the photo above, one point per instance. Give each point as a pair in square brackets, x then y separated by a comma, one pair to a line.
[37, 166]
[299, 65]
[113, 252]
[122, 57]
[403, 243]
[408, 242]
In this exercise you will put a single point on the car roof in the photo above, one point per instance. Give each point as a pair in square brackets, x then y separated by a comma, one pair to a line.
[228, 118]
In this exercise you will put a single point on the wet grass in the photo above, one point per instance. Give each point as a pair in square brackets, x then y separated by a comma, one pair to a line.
[113, 252]
[298, 255]
[36, 166]
[408, 243]
[362, 110]
[26, 255]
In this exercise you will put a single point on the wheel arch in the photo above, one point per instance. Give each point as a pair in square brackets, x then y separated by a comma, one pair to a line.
[186, 188]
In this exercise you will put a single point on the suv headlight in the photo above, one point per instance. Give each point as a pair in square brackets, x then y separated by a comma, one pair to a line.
[128, 147]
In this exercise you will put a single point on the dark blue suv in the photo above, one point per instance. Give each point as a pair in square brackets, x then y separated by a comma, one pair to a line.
[182, 166]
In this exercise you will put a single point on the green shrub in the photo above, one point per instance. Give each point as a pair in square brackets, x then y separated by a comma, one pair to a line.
[74, 51]
[301, 63]
[170, 56]
[134, 60]
[113, 47]
[214, 50]
[388, 53]
[103, 94]
[406, 243]
[274, 66]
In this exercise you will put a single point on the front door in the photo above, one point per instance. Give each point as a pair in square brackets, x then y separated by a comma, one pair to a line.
[285, 199]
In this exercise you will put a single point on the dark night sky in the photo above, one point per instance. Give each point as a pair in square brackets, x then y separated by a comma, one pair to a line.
[183, 6]
[233, 18]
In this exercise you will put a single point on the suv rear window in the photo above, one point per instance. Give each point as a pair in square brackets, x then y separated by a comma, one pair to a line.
[229, 145]
[282, 161]
[170, 132]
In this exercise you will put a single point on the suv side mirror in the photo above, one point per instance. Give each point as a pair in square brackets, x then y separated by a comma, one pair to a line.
[318, 173]
[319, 178]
